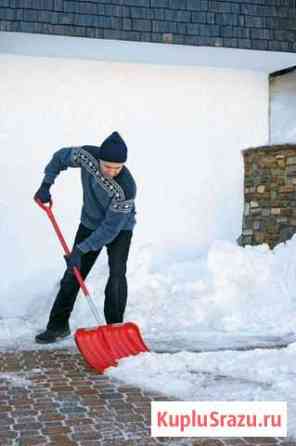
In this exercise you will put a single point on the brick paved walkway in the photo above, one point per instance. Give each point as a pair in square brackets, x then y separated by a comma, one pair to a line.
[53, 398]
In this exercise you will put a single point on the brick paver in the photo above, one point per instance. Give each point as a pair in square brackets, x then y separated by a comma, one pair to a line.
[54, 398]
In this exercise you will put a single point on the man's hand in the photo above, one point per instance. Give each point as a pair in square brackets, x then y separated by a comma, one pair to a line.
[74, 258]
[43, 193]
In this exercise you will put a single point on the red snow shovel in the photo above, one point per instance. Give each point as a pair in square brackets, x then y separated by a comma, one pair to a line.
[103, 345]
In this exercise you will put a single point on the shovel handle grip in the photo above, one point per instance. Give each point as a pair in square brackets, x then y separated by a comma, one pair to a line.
[44, 206]
[48, 209]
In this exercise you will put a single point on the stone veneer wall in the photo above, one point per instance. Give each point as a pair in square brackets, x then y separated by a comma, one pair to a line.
[270, 195]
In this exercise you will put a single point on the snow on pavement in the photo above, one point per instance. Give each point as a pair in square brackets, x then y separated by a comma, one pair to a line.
[258, 375]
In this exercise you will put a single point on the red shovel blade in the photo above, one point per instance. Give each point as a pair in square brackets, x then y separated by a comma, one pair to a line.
[102, 346]
[92, 346]
[124, 339]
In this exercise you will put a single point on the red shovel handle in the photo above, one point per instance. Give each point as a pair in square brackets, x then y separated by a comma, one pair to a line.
[48, 209]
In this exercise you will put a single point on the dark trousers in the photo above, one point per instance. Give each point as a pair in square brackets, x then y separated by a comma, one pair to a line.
[116, 288]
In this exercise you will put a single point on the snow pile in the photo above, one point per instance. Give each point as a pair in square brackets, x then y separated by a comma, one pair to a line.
[210, 300]
[228, 289]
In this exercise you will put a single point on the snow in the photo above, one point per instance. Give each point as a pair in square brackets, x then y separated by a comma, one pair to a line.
[236, 299]
[259, 375]
[227, 288]
[18, 379]
[237, 292]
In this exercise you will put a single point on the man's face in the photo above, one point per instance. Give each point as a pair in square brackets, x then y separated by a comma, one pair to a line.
[110, 169]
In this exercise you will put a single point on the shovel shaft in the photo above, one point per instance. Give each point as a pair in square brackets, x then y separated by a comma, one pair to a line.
[93, 309]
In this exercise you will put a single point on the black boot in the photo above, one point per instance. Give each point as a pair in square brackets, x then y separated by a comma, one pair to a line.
[49, 336]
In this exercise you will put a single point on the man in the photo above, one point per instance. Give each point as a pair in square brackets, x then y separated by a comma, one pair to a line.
[107, 219]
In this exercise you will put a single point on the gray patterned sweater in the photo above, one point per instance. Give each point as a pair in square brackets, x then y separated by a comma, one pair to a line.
[108, 203]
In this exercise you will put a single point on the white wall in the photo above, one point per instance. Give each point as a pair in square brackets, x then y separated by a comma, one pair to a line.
[184, 126]
[108, 50]
[282, 108]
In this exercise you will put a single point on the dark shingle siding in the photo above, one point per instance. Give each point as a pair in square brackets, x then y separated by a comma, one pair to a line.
[251, 24]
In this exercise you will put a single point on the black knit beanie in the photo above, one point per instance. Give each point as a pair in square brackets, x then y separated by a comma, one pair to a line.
[113, 149]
